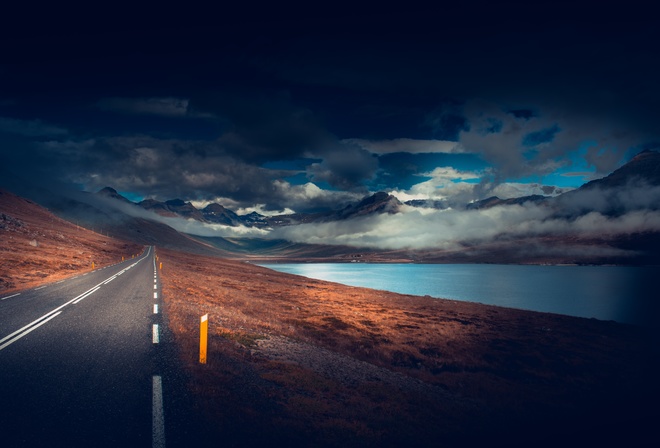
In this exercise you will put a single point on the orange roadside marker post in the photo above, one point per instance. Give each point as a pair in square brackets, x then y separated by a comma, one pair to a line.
[203, 337]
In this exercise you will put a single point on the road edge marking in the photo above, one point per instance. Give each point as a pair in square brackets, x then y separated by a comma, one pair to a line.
[26, 332]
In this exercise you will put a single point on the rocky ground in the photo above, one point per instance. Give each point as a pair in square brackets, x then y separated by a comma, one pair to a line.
[37, 247]
[302, 362]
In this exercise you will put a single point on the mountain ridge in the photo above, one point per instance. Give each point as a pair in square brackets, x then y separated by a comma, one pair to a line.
[178, 224]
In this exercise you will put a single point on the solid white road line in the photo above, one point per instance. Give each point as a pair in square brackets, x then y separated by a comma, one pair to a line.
[110, 279]
[13, 295]
[24, 333]
[88, 293]
[155, 337]
[158, 414]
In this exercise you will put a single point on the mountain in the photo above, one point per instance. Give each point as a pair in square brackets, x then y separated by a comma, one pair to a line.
[173, 208]
[644, 167]
[634, 186]
[157, 207]
[380, 202]
[112, 193]
[218, 214]
[212, 213]
[184, 209]
[376, 203]
[494, 201]
[254, 219]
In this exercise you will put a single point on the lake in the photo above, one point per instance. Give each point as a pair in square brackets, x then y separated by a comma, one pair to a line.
[623, 294]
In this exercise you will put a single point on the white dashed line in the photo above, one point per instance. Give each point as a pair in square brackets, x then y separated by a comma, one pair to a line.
[155, 308]
[41, 287]
[158, 414]
[155, 286]
[13, 295]
[155, 295]
[155, 337]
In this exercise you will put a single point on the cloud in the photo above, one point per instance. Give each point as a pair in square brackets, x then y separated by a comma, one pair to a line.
[30, 128]
[345, 166]
[312, 198]
[168, 106]
[192, 227]
[408, 145]
[161, 168]
[523, 142]
[634, 196]
[452, 229]
[447, 120]
[194, 170]
[264, 126]
[189, 226]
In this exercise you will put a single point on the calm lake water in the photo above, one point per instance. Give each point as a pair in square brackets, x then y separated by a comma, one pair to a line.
[623, 294]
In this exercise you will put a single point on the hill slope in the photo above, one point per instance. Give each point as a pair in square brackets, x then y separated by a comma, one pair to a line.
[38, 247]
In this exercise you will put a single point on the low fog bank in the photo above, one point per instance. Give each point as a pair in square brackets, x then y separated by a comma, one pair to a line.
[449, 229]
[188, 226]
[590, 214]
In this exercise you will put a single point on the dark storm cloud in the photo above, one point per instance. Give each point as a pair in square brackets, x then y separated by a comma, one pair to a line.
[265, 126]
[169, 168]
[345, 167]
[159, 167]
[30, 128]
[522, 86]
[271, 127]
[169, 107]
[447, 121]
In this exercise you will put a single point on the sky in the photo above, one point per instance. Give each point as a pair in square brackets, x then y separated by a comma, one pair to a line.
[307, 108]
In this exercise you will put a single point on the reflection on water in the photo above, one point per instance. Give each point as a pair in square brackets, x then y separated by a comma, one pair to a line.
[623, 294]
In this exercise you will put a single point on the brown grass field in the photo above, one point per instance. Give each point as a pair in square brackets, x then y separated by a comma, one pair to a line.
[302, 362]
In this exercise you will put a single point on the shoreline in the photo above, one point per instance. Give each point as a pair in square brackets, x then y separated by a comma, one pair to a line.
[610, 307]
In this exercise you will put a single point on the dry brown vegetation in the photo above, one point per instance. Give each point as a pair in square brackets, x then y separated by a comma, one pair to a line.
[298, 361]
[37, 247]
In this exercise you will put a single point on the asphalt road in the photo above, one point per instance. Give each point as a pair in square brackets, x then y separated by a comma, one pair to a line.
[87, 362]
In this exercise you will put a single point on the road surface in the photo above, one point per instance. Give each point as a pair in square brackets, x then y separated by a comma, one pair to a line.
[87, 362]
